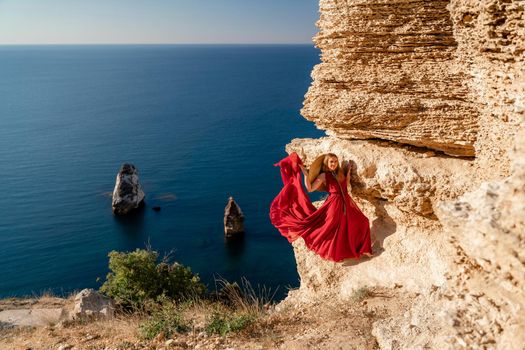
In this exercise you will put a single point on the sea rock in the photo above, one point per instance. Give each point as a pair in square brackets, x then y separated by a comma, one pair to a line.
[128, 194]
[233, 220]
[89, 304]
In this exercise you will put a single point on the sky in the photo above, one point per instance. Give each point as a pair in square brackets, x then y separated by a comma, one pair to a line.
[157, 21]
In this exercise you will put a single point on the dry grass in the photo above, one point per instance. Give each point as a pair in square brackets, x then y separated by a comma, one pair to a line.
[238, 305]
[121, 332]
[47, 301]
[244, 297]
[326, 324]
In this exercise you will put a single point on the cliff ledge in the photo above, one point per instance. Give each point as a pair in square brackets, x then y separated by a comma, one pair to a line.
[427, 99]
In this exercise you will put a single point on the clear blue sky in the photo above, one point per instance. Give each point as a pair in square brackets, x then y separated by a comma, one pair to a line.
[157, 21]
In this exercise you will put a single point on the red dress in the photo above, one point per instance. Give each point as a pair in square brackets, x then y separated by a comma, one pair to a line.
[336, 231]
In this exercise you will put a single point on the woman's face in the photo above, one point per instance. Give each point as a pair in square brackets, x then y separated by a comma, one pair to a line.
[333, 162]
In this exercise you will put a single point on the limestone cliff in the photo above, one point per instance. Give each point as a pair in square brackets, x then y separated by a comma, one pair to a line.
[389, 71]
[403, 88]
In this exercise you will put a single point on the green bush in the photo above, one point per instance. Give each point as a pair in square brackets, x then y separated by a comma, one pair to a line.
[222, 323]
[136, 277]
[165, 318]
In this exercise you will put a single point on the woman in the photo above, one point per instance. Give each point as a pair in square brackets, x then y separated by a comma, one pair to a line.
[338, 229]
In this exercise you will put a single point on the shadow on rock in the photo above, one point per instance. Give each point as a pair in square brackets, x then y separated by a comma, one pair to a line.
[382, 227]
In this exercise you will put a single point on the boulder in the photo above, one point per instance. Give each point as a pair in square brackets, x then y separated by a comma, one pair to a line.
[233, 220]
[89, 304]
[128, 194]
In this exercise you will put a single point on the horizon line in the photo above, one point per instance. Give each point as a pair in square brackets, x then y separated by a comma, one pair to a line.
[157, 44]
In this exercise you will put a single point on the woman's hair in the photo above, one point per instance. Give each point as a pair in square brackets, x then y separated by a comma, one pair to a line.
[327, 157]
[320, 164]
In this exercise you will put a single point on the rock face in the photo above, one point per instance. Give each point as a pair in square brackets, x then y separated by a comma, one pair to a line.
[446, 75]
[389, 71]
[233, 220]
[491, 43]
[128, 194]
[89, 304]
[412, 179]
[489, 226]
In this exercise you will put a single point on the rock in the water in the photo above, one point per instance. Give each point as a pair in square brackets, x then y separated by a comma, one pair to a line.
[233, 220]
[128, 194]
[89, 304]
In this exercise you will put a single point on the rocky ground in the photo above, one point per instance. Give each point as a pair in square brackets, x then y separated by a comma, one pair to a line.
[314, 325]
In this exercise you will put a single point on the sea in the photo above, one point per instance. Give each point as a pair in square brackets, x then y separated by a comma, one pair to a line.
[200, 122]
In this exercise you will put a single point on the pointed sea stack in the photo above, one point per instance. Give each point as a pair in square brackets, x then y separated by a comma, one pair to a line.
[233, 220]
[128, 194]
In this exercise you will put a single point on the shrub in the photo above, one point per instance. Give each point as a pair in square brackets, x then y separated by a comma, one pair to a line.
[136, 277]
[222, 323]
[243, 296]
[165, 318]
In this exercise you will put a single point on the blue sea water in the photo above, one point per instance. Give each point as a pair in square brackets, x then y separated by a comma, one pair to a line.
[201, 123]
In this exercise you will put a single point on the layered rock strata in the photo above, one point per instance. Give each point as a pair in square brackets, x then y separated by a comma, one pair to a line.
[491, 45]
[389, 71]
[451, 230]
[481, 302]
[488, 225]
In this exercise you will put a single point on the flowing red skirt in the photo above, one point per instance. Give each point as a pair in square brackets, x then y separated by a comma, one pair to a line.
[336, 231]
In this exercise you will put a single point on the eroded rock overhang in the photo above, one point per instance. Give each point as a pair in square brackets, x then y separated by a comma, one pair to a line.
[389, 70]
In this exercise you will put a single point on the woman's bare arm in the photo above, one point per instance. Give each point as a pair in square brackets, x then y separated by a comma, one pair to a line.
[348, 174]
[316, 184]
